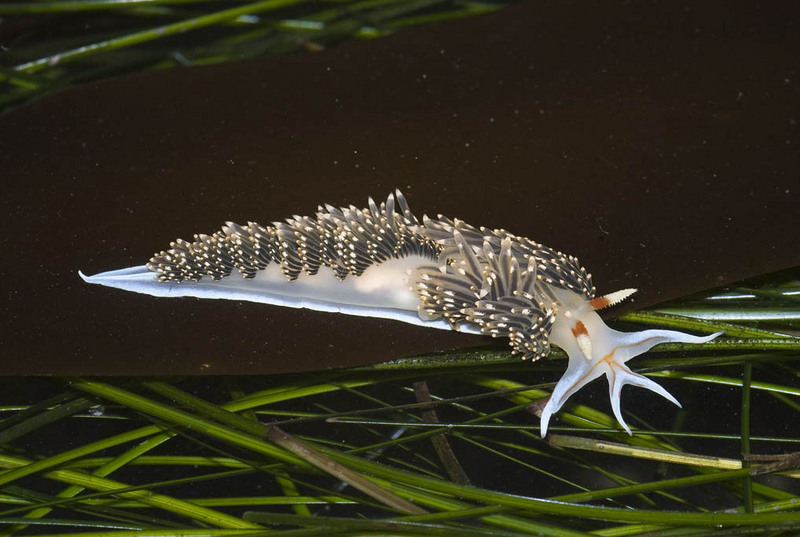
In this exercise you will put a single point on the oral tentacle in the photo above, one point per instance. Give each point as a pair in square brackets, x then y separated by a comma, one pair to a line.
[614, 393]
[631, 344]
[580, 372]
[622, 375]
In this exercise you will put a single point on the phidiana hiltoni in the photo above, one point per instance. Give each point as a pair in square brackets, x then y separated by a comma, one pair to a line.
[382, 262]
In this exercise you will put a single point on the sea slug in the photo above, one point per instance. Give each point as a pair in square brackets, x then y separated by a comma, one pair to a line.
[383, 262]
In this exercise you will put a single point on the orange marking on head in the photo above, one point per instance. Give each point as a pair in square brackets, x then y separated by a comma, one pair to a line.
[579, 330]
[599, 303]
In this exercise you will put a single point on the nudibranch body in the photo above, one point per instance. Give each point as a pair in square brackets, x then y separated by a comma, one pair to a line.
[383, 262]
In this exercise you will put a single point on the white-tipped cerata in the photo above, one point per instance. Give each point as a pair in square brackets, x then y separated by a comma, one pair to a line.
[380, 261]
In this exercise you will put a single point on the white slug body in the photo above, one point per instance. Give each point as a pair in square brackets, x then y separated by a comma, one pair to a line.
[382, 262]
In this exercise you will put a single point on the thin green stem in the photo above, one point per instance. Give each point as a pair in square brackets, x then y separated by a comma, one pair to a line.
[747, 483]
[175, 505]
[72, 6]
[153, 34]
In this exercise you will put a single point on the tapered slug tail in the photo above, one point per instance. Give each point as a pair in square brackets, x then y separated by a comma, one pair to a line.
[138, 279]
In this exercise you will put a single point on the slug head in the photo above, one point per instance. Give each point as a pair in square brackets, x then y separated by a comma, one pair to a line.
[595, 349]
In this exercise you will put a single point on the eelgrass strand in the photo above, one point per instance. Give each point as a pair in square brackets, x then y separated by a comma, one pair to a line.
[158, 32]
[167, 503]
